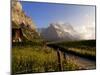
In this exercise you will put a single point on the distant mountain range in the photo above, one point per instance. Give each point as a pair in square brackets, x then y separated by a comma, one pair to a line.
[59, 32]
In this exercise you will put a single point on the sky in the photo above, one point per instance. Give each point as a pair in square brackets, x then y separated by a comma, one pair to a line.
[81, 17]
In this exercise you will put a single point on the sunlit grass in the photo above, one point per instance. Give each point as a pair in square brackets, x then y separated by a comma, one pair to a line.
[90, 52]
[34, 59]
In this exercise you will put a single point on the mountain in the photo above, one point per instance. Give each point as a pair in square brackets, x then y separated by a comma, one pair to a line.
[22, 25]
[59, 32]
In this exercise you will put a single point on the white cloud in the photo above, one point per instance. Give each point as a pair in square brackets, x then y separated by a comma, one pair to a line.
[86, 31]
[87, 28]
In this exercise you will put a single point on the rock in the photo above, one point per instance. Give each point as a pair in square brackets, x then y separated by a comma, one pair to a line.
[22, 23]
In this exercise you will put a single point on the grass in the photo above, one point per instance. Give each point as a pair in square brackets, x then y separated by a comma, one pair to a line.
[84, 52]
[37, 58]
[89, 43]
[32, 59]
[85, 48]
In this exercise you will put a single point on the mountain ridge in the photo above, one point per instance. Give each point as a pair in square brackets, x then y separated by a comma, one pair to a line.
[59, 32]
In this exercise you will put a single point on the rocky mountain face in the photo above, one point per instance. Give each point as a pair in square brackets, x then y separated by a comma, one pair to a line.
[21, 21]
[59, 32]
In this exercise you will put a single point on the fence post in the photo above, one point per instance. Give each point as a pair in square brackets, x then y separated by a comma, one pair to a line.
[64, 55]
[59, 60]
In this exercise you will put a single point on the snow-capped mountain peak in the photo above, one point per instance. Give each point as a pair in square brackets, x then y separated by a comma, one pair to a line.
[58, 31]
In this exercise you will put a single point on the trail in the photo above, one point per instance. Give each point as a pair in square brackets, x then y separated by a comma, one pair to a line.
[82, 62]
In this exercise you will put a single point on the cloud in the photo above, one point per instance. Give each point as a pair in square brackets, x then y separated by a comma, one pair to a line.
[87, 28]
[86, 31]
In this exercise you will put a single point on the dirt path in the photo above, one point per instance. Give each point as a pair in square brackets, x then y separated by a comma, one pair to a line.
[82, 62]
